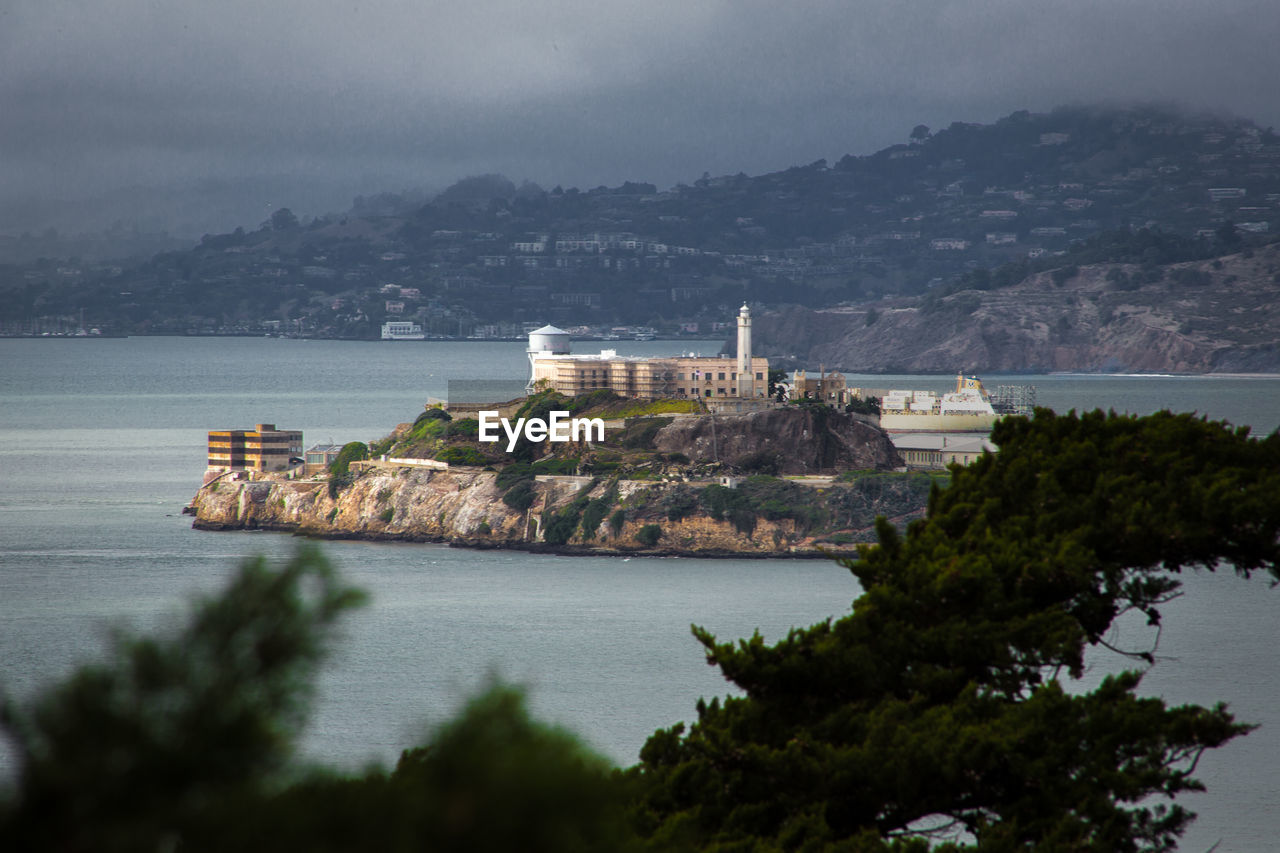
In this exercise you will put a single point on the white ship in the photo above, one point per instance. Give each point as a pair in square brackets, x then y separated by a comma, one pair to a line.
[402, 330]
[966, 409]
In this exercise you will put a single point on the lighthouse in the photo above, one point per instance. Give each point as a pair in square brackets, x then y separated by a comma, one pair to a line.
[746, 380]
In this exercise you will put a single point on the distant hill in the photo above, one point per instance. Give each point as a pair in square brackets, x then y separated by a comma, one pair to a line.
[486, 257]
[1219, 315]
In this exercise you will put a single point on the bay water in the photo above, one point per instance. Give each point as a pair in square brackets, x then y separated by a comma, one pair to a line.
[102, 442]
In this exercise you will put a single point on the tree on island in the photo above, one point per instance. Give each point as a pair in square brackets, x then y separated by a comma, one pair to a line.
[934, 716]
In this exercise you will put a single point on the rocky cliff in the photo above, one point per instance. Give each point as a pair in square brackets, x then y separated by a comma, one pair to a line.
[659, 486]
[787, 441]
[1220, 315]
[766, 516]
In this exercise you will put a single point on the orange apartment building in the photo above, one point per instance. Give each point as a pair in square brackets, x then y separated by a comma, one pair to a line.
[263, 448]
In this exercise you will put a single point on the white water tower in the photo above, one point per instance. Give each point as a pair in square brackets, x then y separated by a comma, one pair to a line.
[544, 342]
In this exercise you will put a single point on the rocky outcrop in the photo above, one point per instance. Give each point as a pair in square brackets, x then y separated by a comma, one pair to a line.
[786, 441]
[666, 514]
[464, 507]
[1206, 316]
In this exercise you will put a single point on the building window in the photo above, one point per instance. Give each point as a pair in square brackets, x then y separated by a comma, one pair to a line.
[721, 376]
[708, 392]
[733, 376]
[720, 391]
[759, 377]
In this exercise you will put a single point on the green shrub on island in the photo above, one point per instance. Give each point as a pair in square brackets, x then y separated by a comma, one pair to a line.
[774, 509]
[520, 496]
[512, 473]
[352, 451]
[743, 521]
[869, 406]
[616, 521]
[761, 495]
[382, 446]
[428, 430]
[591, 400]
[432, 414]
[648, 535]
[338, 482]
[603, 403]
[562, 467]
[541, 405]
[461, 455]
[595, 511]
[601, 466]
[465, 428]
[679, 504]
[559, 527]
[719, 501]
[387, 514]
[640, 434]
[432, 425]
[648, 408]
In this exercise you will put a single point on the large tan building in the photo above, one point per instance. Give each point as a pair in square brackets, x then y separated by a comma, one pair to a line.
[830, 388]
[263, 448]
[717, 378]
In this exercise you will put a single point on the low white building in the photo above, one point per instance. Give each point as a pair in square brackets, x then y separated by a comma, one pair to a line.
[936, 451]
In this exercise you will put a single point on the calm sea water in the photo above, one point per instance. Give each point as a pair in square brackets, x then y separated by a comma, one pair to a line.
[102, 443]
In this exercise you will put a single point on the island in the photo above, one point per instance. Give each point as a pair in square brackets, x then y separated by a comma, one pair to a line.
[669, 478]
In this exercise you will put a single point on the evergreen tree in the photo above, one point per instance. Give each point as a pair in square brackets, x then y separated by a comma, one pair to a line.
[940, 703]
[136, 752]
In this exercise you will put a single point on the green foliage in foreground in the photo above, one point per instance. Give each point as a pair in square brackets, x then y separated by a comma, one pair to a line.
[938, 702]
[490, 780]
[938, 699]
[146, 748]
[184, 743]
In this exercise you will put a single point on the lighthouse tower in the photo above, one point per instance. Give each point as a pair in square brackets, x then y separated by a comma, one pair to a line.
[746, 379]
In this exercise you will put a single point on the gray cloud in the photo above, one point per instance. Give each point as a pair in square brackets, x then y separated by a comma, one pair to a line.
[323, 96]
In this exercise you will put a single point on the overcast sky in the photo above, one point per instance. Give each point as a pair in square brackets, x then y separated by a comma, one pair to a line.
[305, 104]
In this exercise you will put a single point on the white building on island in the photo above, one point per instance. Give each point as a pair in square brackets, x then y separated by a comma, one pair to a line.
[725, 383]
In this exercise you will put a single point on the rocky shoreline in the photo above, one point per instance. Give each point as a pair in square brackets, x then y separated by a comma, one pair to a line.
[464, 507]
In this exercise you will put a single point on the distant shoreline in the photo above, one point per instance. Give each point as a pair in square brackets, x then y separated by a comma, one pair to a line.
[1078, 374]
